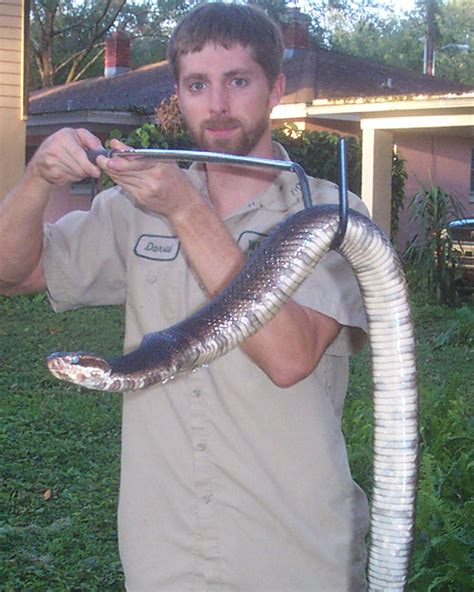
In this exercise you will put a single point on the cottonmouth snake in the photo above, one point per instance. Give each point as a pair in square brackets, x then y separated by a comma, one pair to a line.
[270, 277]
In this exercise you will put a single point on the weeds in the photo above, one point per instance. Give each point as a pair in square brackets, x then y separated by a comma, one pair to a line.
[432, 252]
[460, 331]
[444, 520]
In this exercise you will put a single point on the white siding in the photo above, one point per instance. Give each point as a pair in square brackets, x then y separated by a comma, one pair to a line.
[12, 118]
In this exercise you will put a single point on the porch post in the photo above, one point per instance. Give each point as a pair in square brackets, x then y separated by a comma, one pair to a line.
[377, 174]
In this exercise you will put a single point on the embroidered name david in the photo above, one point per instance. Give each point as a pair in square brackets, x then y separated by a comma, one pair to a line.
[157, 247]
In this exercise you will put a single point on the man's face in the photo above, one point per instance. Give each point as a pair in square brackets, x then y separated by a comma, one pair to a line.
[226, 100]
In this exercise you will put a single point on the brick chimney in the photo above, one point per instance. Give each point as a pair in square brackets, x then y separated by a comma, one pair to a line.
[295, 30]
[118, 57]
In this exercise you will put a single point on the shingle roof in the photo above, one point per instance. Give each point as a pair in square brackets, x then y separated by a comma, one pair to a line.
[311, 74]
[332, 75]
[137, 91]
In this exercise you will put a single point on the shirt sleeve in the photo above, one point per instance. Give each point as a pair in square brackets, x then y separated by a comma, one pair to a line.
[332, 289]
[84, 254]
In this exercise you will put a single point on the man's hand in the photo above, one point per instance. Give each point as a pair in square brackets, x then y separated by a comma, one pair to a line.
[159, 187]
[62, 158]
[59, 160]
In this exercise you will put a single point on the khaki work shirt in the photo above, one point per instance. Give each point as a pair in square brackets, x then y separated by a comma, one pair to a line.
[229, 483]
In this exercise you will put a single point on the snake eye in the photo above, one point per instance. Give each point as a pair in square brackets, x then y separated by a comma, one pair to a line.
[75, 360]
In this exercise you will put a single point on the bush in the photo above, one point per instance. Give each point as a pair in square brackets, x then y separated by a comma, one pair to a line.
[431, 256]
[317, 153]
[168, 132]
[399, 177]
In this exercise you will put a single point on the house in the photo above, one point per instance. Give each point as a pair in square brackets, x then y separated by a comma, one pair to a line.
[13, 91]
[429, 120]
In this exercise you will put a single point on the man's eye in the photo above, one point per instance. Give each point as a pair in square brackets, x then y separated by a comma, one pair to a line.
[239, 82]
[196, 86]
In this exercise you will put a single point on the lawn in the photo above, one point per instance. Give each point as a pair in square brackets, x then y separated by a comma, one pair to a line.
[61, 451]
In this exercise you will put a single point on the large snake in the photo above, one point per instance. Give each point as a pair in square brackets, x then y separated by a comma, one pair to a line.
[269, 278]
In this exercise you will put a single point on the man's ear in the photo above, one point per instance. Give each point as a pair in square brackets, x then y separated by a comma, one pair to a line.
[278, 90]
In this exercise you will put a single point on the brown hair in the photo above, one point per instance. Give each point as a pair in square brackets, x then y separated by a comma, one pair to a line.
[228, 25]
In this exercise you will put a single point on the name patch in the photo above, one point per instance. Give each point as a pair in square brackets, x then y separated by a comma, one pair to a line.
[157, 247]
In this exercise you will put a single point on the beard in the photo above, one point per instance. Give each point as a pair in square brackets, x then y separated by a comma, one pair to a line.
[242, 141]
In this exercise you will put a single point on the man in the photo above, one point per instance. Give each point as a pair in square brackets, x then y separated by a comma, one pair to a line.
[234, 477]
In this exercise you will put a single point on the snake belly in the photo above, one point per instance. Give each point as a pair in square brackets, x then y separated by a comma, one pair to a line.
[270, 277]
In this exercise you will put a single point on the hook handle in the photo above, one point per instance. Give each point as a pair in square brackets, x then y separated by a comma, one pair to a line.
[92, 155]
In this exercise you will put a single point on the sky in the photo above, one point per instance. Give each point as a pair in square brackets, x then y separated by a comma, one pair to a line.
[403, 5]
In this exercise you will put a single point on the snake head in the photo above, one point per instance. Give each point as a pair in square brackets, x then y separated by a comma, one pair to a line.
[81, 368]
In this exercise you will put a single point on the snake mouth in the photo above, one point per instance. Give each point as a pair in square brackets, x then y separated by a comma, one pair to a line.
[80, 368]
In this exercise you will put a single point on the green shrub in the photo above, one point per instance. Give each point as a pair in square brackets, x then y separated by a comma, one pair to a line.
[151, 136]
[317, 153]
[431, 255]
[399, 177]
[460, 331]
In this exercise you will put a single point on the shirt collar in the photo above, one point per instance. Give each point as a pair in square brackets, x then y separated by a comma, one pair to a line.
[280, 196]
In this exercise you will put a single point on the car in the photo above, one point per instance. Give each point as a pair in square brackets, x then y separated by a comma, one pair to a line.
[462, 234]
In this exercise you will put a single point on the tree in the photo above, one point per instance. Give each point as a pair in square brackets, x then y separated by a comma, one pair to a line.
[388, 41]
[454, 57]
[432, 34]
[67, 36]
[329, 16]
[274, 8]
[399, 40]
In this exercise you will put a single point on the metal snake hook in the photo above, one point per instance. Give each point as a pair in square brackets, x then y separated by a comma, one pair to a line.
[220, 158]
[343, 202]
[211, 157]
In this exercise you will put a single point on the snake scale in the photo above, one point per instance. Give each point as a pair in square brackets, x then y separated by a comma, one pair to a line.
[269, 278]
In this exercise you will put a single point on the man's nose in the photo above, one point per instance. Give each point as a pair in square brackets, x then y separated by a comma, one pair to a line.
[219, 100]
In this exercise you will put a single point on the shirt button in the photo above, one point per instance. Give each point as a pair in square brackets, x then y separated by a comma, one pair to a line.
[152, 278]
[201, 446]
[196, 392]
[207, 498]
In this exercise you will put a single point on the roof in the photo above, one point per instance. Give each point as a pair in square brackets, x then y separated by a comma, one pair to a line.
[137, 91]
[311, 74]
[327, 74]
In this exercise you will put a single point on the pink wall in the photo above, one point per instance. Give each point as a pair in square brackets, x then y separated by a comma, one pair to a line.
[434, 160]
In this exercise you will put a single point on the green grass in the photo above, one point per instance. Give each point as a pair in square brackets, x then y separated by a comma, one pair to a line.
[61, 451]
[60, 454]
